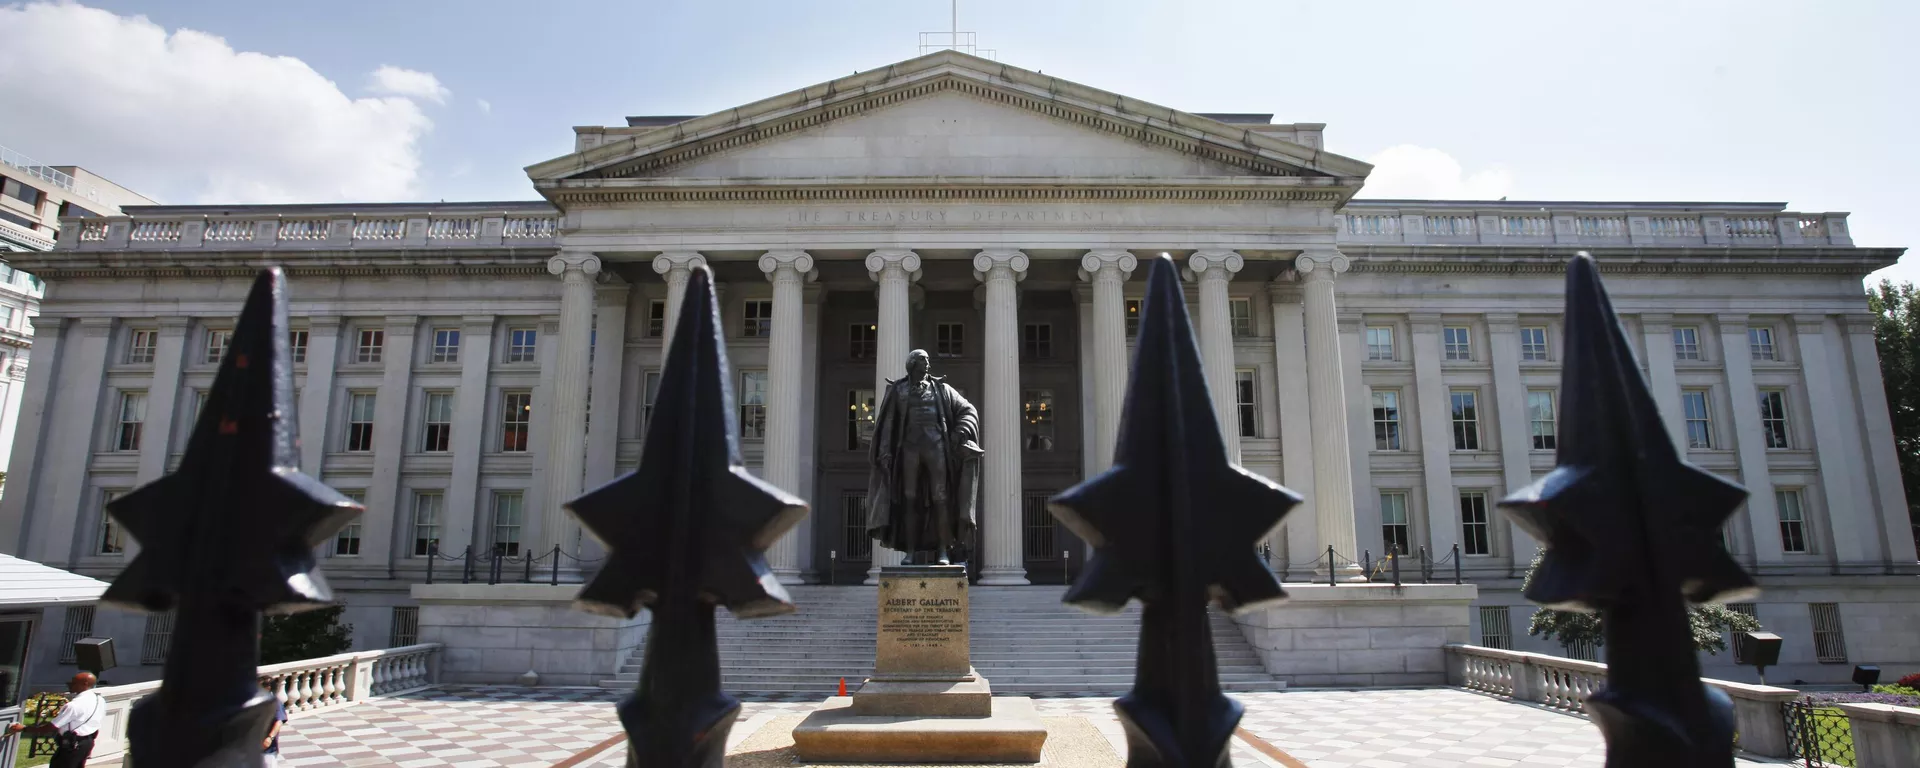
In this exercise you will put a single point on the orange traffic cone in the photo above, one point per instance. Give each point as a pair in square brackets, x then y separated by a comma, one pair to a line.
[843, 686]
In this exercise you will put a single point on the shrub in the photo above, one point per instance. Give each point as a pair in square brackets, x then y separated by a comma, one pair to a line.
[1910, 681]
[306, 635]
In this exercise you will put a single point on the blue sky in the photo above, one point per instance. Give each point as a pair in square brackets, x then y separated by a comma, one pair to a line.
[1807, 103]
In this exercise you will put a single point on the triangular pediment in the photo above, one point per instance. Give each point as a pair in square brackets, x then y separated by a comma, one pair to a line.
[945, 115]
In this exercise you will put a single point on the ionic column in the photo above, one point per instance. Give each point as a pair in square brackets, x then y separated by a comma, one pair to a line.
[1881, 458]
[1296, 423]
[894, 270]
[1836, 440]
[1000, 418]
[1516, 434]
[162, 397]
[787, 270]
[1214, 269]
[675, 266]
[1108, 271]
[1748, 440]
[567, 431]
[1656, 331]
[323, 343]
[1332, 470]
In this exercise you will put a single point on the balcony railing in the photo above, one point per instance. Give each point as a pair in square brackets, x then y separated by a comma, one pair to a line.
[382, 230]
[1364, 223]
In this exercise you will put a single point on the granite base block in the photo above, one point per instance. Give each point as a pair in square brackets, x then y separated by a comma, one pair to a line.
[924, 698]
[834, 733]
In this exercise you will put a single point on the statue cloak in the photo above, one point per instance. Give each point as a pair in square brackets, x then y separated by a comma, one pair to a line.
[960, 423]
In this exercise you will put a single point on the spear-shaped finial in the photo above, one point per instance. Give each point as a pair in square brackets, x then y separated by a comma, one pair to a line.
[687, 531]
[226, 537]
[1173, 523]
[1632, 531]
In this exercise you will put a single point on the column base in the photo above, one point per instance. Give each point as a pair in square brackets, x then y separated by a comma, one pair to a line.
[788, 576]
[1004, 577]
[1347, 573]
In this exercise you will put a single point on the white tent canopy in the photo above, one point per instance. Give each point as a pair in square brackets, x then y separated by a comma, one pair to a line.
[26, 584]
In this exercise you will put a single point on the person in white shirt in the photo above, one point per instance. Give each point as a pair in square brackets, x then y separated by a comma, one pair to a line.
[76, 725]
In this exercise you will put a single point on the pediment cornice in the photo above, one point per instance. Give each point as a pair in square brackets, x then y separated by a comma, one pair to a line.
[1325, 191]
[645, 152]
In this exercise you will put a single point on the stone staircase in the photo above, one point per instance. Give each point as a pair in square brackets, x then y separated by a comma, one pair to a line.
[1024, 641]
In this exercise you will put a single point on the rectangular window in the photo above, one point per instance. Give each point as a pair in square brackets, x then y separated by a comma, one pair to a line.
[1457, 343]
[1748, 610]
[1773, 418]
[1380, 342]
[217, 340]
[140, 346]
[1793, 520]
[1466, 419]
[1760, 341]
[439, 422]
[862, 340]
[76, 626]
[297, 346]
[758, 320]
[1240, 317]
[509, 514]
[372, 344]
[1395, 535]
[521, 343]
[406, 627]
[1474, 530]
[1243, 402]
[859, 419]
[1540, 418]
[112, 541]
[516, 418]
[1386, 420]
[359, 421]
[199, 404]
[346, 543]
[133, 416]
[1036, 341]
[6, 316]
[157, 639]
[1699, 423]
[950, 339]
[427, 506]
[1037, 412]
[446, 345]
[1686, 343]
[650, 390]
[1496, 629]
[753, 405]
[1533, 343]
[656, 319]
[1133, 317]
[1829, 643]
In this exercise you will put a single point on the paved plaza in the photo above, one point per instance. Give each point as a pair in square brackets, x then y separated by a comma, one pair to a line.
[485, 726]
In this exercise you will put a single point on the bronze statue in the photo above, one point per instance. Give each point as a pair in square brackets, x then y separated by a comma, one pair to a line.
[926, 466]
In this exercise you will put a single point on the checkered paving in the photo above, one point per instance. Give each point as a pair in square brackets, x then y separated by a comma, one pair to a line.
[485, 726]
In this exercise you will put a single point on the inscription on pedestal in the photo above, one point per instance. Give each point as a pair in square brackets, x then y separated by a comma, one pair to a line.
[923, 623]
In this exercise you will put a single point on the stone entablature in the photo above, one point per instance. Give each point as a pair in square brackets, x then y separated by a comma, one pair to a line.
[364, 227]
[1526, 223]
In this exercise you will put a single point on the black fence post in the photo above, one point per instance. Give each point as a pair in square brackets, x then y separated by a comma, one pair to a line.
[1396, 566]
[466, 565]
[556, 565]
[526, 559]
[1426, 566]
[1331, 568]
[1456, 564]
[1366, 564]
[433, 553]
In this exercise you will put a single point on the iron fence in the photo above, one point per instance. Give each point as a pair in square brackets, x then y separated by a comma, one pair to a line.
[1818, 735]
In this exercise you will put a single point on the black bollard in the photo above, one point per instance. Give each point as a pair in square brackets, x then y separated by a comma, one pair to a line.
[1396, 566]
[433, 549]
[1456, 564]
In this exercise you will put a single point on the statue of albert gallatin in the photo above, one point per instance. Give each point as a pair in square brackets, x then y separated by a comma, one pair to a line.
[925, 461]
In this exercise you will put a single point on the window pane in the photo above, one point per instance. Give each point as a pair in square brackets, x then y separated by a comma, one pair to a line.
[509, 513]
[1243, 394]
[1533, 343]
[656, 319]
[758, 319]
[1761, 342]
[753, 405]
[1686, 343]
[1133, 317]
[1393, 522]
[1386, 420]
[1699, 428]
[1773, 418]
[516, 415]
[859, 419]
[1540, 416]
[133, 417]
[862, 339]
[1037, 413]
[1793, 524]
[1474, 538]
[1240, 317]
[950, 340]
[1458, 346]
[427, 507]
[446, 345]
[1380, 343]
[1466, 421]
[520, 345]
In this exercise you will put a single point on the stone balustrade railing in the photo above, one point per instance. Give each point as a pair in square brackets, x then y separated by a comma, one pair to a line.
[424, 228]
[1366, 223]
[1884, 736]
[304, 685]
[1564, 684]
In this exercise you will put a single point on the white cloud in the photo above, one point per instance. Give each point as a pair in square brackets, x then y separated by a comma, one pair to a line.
[182, 117]
[1408, 171]
[486, 107]
[390, 80]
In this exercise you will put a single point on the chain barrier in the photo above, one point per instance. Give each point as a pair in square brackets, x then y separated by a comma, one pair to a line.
[502, 567]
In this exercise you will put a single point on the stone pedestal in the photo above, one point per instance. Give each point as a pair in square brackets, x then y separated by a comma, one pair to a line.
[1361, 634]
[494, 634]
[925, 702]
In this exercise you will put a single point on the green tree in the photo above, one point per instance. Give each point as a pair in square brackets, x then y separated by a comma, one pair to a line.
[1711, 622]
[306, 635]
[1896, 310]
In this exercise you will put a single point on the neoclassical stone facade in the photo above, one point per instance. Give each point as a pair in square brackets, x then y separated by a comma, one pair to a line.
[466, 368]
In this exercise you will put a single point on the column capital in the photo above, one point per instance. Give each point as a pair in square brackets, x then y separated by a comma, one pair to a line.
[571, 261]
[985, 263]
[1424, 322]
[1860, 323]
[1095, 261]
[1656, 322]
[1219, 263]
[1321, 265]
[680, 260]
[1502, 322]
[772, 262]
[908, 262]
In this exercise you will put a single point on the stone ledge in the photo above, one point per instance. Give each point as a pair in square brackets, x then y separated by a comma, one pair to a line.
[496, 593]
[833, 733]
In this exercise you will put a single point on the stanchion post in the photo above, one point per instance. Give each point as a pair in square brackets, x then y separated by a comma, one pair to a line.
[433, 552]
[1396, 566]
[1366, 564]
[1425, 570]
[1456, 564]
[556, 565]
[526, 559]
[1331, 568]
